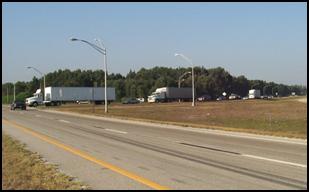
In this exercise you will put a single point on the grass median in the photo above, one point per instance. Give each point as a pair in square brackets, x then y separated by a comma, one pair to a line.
[24, 170]
[285, 117]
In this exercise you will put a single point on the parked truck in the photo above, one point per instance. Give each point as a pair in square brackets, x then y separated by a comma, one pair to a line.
[166, 94]
[36, 100]
[254, 94]
[57, 95]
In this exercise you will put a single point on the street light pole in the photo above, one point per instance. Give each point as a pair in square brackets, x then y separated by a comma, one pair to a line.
[185, 58]
[105, 73]
[188, 72]
[43, 79]
[14, 91]
[7, 93]
[179, 80]
[102, 50]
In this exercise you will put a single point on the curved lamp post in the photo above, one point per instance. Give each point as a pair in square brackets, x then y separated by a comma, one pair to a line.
[185, 58]
[180, 78]
[188, 72]
[44, 79]
[101, 50]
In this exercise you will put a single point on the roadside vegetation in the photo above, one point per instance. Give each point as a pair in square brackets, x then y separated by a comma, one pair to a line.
[24, 170]
[285, 117]
[212, 81]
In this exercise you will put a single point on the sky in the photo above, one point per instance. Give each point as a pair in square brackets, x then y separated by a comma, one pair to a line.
[265, 41]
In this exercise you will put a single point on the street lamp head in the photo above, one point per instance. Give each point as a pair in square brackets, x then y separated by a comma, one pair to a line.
[176, 54]
[28, 67]
[73, 39]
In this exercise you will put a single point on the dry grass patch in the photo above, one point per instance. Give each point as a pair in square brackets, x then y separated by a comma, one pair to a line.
[281, 117]
[22, 169]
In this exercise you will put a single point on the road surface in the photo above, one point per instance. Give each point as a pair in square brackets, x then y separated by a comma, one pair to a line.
[126, 155]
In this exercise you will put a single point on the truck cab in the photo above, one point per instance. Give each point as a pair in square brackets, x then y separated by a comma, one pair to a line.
[158, 96]
[36, 100]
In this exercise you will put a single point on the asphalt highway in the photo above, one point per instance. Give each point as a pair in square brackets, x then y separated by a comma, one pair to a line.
[115, 154]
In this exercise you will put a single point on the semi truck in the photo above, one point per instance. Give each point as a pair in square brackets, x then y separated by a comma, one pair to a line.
[254, 94]
[57, 95]
[166, 94]
[36, 100]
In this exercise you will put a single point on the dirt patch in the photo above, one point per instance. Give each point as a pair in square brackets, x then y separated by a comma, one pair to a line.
[303, 100]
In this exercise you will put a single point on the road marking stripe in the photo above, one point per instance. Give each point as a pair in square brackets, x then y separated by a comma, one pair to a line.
[64, 121]
[38, 115]
[88, 157]
[245, 155]
[274, 160]
[116, 131]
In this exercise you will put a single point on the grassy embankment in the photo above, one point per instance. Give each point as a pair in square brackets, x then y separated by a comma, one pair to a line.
[279, 117]
[22, 169]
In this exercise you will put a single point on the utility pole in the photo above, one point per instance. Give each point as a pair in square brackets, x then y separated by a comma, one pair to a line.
[7, 93]
[14, 91]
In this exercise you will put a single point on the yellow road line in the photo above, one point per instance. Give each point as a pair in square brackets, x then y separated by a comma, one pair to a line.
[88, 157]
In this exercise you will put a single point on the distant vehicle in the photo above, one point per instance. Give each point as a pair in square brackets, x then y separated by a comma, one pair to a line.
[266, 97]
[204, 98]
[36, 100]
[141, 100]
[82, 102]
[254, 94]
[57, 95]
[130, 101]
[165, 94]
[18, 104]
[220, 98]
[234, 96]
[245, 98]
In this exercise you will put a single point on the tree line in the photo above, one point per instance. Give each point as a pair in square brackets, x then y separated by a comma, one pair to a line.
[142, 83]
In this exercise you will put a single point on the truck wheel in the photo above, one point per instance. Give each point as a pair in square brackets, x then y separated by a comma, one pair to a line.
[35, 104]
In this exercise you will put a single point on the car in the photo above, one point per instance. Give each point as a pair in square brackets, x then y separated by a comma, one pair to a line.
[204, 98]
[130, 101]
[18, 104]
[220, 98]
[245, 98]
[270, 97]
[266, 97]
[141, 100]
[234, 96]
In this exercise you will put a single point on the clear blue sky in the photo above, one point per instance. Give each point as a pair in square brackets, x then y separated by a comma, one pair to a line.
[266, 41]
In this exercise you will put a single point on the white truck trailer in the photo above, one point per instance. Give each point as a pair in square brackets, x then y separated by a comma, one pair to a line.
[254, 94]
[165, 94]
[57, 95]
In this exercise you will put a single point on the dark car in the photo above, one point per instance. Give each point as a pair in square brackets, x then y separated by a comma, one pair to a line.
[130, 101]
[220, 98]
[18, 104]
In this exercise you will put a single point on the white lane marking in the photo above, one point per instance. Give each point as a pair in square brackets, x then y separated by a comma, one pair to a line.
[116, 131]
[38, 115]
[64, 121]
[274, 160]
